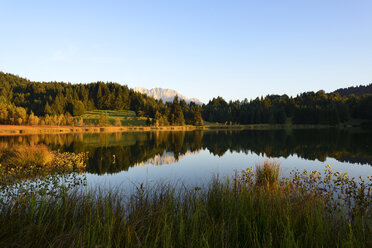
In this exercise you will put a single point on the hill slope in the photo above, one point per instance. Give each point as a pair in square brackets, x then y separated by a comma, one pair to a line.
[55, 98]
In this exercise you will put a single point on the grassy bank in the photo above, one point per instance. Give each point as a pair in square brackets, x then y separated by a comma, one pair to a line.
[97, 121]
[6, 130]
[254, 209]
[113, 117]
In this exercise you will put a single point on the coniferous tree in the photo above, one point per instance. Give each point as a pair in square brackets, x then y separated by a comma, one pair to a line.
[19, 97]
[197, 120]
[47, 109]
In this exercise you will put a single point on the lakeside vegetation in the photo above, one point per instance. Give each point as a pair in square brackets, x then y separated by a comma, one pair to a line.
[20, 163]
[255, 208]
[40, 103]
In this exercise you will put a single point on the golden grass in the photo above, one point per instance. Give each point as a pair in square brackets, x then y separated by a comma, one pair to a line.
[302, 211]
[26, 130]
[29, 162]
[37, 155]
[267, 174]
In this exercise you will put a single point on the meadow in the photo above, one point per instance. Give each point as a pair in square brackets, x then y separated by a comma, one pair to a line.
[113, 118]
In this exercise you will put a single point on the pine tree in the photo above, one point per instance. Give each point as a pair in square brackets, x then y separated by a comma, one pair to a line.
[47, 109]
[176, 118]
[198, 120]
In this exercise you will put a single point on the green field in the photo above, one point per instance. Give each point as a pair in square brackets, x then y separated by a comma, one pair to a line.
[129, 118]
[126, 117]
[207, 123]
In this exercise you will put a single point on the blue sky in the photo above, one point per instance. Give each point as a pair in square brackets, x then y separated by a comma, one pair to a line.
[203, 49]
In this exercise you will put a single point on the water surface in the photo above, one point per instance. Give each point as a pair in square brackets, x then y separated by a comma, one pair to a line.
[126, 160]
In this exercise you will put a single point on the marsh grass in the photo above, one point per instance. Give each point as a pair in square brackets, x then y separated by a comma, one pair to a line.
[37, 161]
[37, 155]
[237, 213]
[267, 174]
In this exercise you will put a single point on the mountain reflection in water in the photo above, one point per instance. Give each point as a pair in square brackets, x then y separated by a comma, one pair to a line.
[115, 152]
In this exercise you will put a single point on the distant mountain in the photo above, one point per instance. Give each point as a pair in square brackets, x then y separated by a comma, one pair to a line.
[166, 94]
[357, 90]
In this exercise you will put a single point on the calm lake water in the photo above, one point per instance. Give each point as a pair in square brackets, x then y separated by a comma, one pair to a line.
[192, 158]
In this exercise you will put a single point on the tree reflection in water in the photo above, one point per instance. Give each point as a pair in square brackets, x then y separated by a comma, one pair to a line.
[115, 152]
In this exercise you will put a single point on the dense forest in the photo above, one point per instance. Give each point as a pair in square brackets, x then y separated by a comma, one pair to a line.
[25, 102]
[306, 108]
[355, 90]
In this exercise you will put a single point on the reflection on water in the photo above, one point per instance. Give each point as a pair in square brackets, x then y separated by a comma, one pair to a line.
[115, 152]
[165, 158]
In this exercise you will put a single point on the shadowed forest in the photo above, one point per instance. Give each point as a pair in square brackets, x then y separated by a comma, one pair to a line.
[57, 103]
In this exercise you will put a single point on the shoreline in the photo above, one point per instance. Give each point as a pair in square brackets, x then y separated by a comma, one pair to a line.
[11, 130]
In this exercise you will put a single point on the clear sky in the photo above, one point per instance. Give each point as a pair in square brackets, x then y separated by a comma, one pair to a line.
[203, 49]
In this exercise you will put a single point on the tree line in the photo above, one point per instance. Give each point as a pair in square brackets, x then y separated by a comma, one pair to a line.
[356, 90]
[26, 102]
[57, 103]
[306, 108]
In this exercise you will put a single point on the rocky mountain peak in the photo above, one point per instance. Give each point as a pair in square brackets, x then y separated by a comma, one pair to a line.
[166, 94]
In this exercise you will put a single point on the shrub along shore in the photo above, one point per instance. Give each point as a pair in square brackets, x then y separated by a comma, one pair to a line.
[255, 208]
[10, 130]
[6, 130]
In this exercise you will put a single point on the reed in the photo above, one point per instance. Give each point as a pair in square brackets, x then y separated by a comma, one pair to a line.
[267, 174]
[37, 161]
[235, 213]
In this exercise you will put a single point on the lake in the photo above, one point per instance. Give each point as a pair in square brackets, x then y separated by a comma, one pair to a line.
[126, 160]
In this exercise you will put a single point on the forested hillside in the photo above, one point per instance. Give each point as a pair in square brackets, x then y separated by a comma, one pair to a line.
[306, 108]
[357, 90]
[21, 99]
[26, 102]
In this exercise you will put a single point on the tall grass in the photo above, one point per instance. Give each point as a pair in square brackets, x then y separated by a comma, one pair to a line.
[267, 174]
[37, 155]
[29, 162]
[243, 213]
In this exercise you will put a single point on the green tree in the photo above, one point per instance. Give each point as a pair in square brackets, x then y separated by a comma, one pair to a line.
[78, 108]
[198, 120]
[176, 114]
[47, 109]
